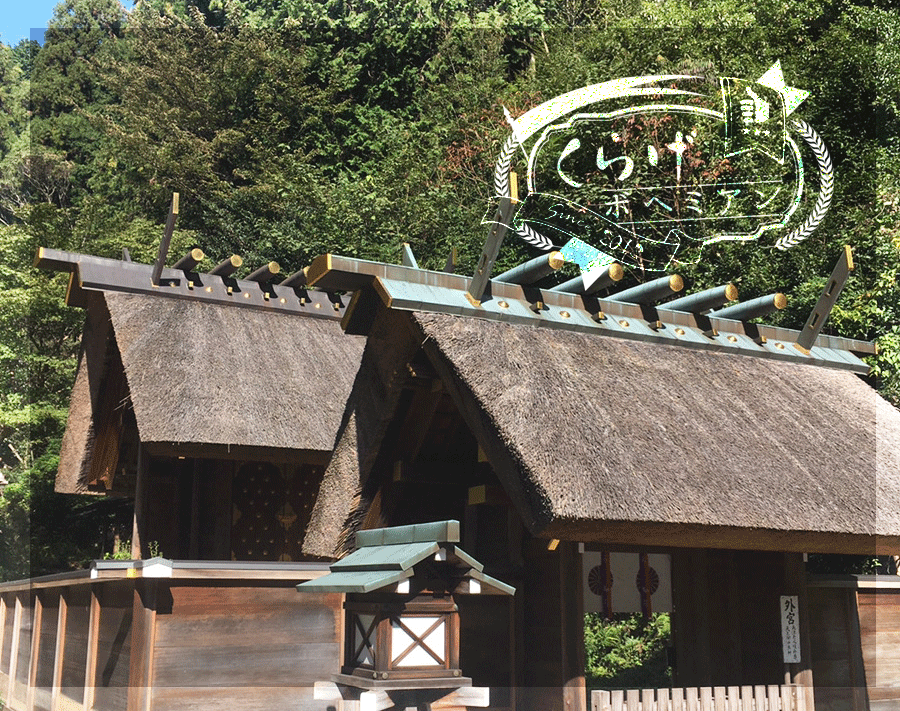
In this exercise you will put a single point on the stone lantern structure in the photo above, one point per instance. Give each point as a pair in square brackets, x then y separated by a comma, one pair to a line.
[401, 622]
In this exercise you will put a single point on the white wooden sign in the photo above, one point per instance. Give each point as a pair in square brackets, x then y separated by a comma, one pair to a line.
[790, 628]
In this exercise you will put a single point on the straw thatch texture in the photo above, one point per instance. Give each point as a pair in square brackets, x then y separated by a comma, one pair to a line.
[78, 440]
[606, 429]
[343, 498]
[204, 374]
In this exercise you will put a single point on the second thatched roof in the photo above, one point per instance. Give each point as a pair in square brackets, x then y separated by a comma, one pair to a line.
[604, 439]
[203, 374]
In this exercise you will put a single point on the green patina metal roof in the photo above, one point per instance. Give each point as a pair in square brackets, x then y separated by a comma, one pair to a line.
[387, 556]
[355, 581]
[400, 557]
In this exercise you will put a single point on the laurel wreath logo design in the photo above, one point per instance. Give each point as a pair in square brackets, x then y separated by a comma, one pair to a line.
[501, 187]
[798, 235]
[826, 187]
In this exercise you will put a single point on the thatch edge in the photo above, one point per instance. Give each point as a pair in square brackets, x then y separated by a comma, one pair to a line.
[76, 450]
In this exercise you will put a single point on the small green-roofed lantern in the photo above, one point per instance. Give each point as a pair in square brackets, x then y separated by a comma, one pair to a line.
[402, 625]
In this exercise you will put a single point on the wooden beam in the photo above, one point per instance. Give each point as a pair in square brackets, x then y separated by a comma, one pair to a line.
[854, 651]
[407, 258]
[800, 673]
[94, 274]
[139, 527]
[190, 260]
[489, 253]
[14, 649]
[35, 657]
[194, 542]
[93, 638]
[3, 613]
[59, 655]
[572, 618]
[143, 639]
[826, 302]
[700, 573]
[164, 243]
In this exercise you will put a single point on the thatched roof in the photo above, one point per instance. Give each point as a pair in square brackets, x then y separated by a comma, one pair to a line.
[199, 373]
[604, 439]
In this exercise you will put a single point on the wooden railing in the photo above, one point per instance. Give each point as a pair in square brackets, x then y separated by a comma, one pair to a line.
[705, 698]
[92, 640]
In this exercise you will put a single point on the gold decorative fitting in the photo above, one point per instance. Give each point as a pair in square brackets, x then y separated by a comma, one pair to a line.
[246, 294]
[616, 271]
[317, 306]
[503, 304]
[733, 339]
[679, 331]
[779, 346]
[564, 314]
[731, 292]
[599, 316]
[555, 260]
[624, 324]
[209, 290]
[283, 300]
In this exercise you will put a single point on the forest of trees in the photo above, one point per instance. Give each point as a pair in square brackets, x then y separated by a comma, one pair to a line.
[299, 127]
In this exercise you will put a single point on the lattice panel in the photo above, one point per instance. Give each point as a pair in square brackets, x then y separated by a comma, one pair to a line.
[272, 505]
[418, 642]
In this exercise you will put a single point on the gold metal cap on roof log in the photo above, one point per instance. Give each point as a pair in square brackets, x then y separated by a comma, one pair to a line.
[228, 266]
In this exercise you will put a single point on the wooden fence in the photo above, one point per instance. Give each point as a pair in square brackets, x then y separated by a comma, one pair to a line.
[706, 698]
[167, 636]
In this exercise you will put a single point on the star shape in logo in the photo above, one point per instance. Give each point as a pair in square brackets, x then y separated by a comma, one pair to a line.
[774, 79]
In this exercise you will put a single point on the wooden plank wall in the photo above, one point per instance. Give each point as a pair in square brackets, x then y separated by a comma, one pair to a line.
[837, 658]
[879, 622]
[553, 631]
[21, 652]
[113, 646]
[74, 659]
[856, 646]
[726, 621]
[164, 645]
[221, 645]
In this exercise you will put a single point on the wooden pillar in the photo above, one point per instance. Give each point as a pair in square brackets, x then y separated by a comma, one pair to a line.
[93, 638]
[735, 642]
[795, 584]
[3, 613]
[35, 658]
[854, 651]
[194, 545]
[14, 650]
[553, 629]
[140, 504]
[59, 656]
[572, 620]
[143, 638]
[701, 611]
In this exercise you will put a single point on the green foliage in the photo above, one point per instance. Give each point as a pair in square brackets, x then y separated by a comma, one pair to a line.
[123, 551]
[295, 128]
[820, 564]
[627, 652]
